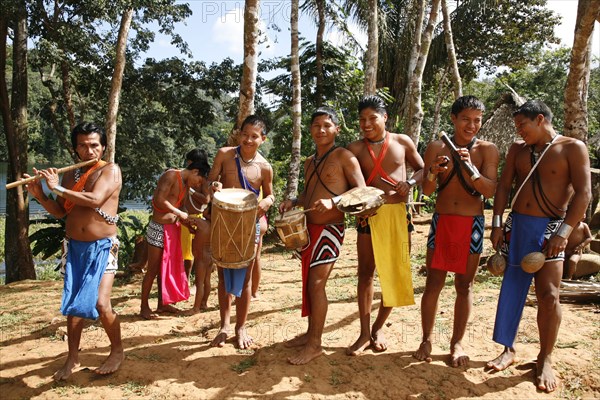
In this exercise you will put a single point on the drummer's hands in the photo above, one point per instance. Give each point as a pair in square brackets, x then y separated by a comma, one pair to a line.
[285, 205]
[402, 188]
[215, 186]
[192, 223]
[323, 205]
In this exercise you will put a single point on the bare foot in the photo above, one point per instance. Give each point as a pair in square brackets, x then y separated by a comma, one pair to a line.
[255, 297]
[192, 311]
[306, 355]
[424, 352]
[503, 361]
[244, 340]
[66, 370]
[458, 357]
[146, 313]
[297, 341]
[359, 346]
[378, 341]
[219, 340]
[545, 379]
[168, 308]
[112, 363]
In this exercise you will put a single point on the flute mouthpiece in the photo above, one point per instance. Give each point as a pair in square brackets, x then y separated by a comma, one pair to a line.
[441, 133]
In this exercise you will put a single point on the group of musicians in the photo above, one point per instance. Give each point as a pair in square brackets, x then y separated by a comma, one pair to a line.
[552, 172]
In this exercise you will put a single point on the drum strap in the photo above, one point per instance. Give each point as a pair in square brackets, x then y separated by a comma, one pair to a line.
[316, 165]
[243, 180]
[377, 169]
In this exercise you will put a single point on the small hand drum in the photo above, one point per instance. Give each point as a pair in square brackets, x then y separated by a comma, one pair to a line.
[361, 201]
[291, 228]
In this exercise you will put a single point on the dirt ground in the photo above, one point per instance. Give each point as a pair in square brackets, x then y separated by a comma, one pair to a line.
[171, 358]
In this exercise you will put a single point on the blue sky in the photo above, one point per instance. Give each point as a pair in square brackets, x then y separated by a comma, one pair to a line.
[215, 30]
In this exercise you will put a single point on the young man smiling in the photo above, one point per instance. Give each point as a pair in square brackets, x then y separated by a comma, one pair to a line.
[328, 173]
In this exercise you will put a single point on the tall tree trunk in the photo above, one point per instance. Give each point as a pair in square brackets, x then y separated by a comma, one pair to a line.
[294, 172]
[400, 106]
[117, 81]
[319, 90]
[439, 100]
[414, 118]
[448, 37]
[371, 56]
[249, 72]
[19, 260]
[576, 90]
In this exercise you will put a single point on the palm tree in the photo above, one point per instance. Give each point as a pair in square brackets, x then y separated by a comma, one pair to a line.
[294, 171]
[250, 66]
[117, 81]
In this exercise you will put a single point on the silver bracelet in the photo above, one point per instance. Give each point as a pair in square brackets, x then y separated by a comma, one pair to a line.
[497, 221]
[564, 231]
[59, 190]
[411, 182]
[476, 175]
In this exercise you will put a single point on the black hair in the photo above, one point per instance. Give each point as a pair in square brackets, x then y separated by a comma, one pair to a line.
[325, 111]
[87, 128]
[255, 120]
[199, 161]
[374, 102]
[195, 155]
[465, 103]
[532, 108]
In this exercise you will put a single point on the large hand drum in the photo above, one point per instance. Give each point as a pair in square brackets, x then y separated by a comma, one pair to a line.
[233, 228]
[291, 228]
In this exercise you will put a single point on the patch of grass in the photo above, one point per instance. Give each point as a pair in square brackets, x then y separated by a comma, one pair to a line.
[12, 318]
[134, 388]
[244, 365]
[148, 357]
[336, 378]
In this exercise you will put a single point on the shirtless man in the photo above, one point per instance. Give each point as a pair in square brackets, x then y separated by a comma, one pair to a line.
[328, 173]
[579, 238]
[168, 197]
[456, 235]
[539, 221]
[242, 167]
[383, 158]
[89, 199]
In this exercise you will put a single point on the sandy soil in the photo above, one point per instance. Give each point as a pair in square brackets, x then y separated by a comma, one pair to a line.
[171, 358]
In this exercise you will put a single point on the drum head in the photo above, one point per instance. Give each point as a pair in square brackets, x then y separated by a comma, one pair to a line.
[290, 215]
[361, 201]
[234, 196]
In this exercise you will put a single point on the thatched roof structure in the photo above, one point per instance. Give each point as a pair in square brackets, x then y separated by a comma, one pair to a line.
[500, 127]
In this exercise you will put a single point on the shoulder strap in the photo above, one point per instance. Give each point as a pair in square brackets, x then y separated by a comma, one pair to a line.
[243, 180]
[377, 169]
[512, 203]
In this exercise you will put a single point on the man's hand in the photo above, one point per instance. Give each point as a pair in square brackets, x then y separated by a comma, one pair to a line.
[555, 245]
[323, 205]
[285, 205]
[496, 237]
